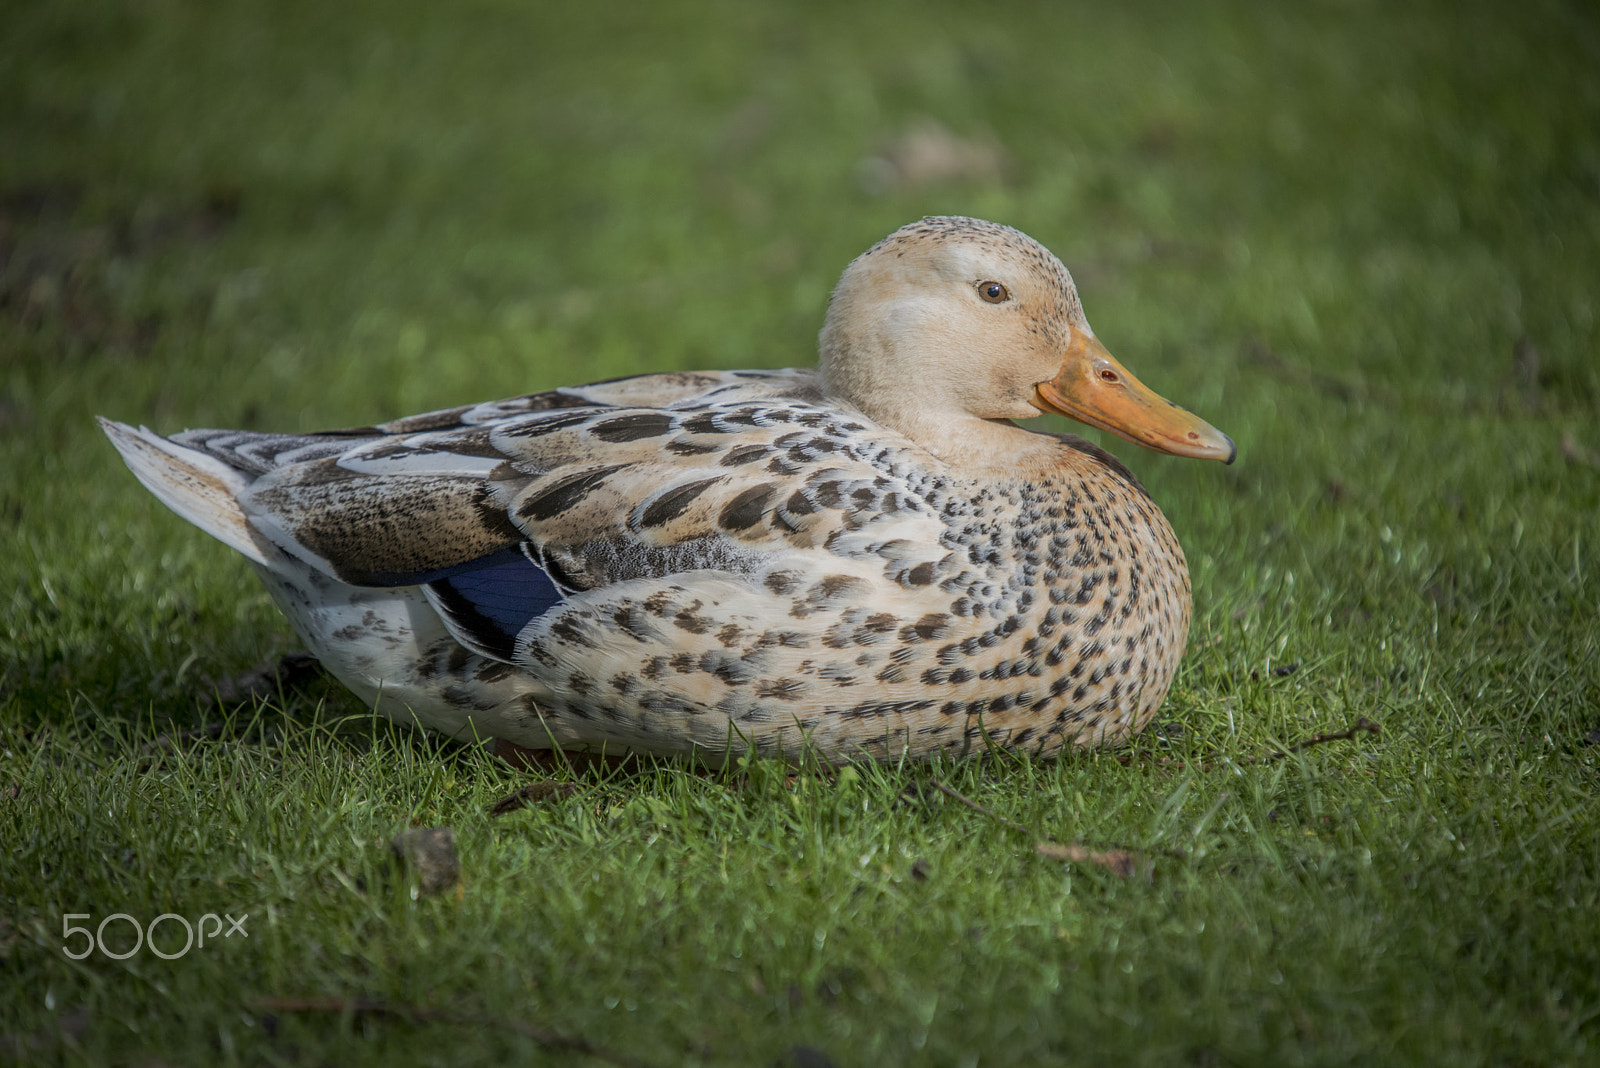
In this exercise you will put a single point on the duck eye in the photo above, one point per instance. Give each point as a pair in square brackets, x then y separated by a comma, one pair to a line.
[993, 292]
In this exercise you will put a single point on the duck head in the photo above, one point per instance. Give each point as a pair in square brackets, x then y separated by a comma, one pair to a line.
[949, 328]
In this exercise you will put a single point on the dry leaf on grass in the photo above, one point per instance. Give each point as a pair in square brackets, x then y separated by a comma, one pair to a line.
[429, 854]
[1117, 861]
[1574, 452]
[535, 794]
[928, 153]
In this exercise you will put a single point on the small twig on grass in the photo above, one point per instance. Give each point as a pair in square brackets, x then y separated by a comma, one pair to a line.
[974, 806]
[208, 732]
[1362, 725]
[1123, 862]
[421, 1014]
[1128, 862]
[1130, 758]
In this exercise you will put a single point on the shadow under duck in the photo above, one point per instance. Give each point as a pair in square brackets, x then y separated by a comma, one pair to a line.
[869, 559]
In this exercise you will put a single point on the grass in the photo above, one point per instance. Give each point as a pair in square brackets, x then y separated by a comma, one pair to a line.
[1360, 237]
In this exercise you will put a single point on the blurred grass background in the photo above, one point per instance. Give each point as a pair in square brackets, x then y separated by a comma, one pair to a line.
[1363, 238]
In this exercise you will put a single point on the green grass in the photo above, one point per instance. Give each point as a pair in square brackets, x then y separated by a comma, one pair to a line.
[1362, 238]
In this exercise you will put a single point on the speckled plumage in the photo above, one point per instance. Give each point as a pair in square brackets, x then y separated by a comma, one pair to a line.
[714, 560]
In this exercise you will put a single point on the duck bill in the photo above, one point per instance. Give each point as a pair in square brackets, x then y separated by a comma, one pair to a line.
[1094, 388]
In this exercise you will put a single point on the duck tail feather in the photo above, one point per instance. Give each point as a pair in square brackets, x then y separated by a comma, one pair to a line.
[198, 487]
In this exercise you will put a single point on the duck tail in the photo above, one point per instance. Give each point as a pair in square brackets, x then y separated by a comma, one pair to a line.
[198, 487]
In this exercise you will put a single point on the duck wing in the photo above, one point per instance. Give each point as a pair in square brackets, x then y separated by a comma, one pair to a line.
[503, 511]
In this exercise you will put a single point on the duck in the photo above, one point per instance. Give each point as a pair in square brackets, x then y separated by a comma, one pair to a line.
[865, 560]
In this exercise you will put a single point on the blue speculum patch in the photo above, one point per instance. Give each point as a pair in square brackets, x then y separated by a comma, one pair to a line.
[491, 598]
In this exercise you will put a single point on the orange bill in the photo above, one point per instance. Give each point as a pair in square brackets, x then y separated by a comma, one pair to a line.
[1093, 388]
